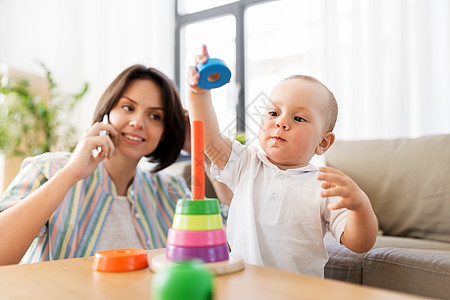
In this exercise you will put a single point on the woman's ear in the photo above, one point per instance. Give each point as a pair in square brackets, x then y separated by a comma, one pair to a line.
[326, 142]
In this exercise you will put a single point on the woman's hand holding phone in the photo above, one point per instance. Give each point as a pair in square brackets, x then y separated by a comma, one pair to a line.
[91, 149]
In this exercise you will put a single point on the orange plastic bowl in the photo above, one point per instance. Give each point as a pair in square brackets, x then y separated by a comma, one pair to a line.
[120, 260]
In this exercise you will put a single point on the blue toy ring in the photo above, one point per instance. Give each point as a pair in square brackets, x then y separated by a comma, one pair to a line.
[213, 74]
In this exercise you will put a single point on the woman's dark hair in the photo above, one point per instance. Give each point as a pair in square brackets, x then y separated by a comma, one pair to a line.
[170, 146]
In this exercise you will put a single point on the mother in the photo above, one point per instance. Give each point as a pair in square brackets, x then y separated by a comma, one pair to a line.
[64, 205]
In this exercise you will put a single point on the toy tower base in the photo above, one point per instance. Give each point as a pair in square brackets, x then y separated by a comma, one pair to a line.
[197, 233]
[233, 264]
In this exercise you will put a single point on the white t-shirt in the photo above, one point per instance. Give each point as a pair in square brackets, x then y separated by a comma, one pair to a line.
[277, 218]
[118, 230]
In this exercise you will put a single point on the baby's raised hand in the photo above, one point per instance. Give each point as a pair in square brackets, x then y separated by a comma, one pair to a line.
[193, 75]
[337, 184]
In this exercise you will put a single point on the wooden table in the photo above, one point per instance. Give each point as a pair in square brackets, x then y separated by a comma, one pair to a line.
[74, 279]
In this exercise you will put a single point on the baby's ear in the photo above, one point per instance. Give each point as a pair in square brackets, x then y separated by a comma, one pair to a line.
[327, 140]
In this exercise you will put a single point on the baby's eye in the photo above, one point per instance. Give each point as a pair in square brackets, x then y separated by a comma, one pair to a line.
[272, 113]
[299, 119]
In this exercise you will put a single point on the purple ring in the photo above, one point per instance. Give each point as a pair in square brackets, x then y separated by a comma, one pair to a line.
[207, 254]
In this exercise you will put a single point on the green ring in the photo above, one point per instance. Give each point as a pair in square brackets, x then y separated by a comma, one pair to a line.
[197, 207]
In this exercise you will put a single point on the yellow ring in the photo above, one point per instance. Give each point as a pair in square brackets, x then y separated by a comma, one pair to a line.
[197, 222]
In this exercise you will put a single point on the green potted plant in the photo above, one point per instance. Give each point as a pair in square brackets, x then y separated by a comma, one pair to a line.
[31, 125]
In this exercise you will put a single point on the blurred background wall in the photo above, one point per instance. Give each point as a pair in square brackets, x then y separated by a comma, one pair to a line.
[86, 41]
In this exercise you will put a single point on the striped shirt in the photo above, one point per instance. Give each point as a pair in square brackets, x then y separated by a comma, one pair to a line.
[74, 228]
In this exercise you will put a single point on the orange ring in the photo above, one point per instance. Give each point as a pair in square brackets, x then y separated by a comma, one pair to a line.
[120, 260]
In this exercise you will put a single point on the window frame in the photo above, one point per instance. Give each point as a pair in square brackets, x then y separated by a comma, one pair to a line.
[237, 9]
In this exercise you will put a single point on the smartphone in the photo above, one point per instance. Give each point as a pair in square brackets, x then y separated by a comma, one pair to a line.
[105, 121]
[102, 132]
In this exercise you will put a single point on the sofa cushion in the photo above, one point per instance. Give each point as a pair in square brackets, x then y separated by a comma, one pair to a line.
[346, 265]
[343, 264]
[407, 181]
[417, 271]
[412, 243]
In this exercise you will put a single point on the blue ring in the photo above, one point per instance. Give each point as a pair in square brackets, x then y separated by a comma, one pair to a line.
[212, 66]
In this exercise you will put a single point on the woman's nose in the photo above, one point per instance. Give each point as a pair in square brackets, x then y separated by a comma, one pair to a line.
[137, 122]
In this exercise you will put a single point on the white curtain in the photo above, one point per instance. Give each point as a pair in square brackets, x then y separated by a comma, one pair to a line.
[388, 63]
[86, 41]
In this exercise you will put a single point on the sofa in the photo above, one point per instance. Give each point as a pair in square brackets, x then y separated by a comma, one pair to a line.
[408, 184]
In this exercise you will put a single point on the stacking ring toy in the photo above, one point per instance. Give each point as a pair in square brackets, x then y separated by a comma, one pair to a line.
[207, 254]
[120, 260]
[197, 207]
[197, 222]
[213, 74]
[200, 238]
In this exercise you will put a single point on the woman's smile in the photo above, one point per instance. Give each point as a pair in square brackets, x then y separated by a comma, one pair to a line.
[133, 138]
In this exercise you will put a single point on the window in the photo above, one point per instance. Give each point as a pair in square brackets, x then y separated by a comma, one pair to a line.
[387, 62]
[219, 34]
[277, 47]
[220, 25]
[259, 50]
[192, 6]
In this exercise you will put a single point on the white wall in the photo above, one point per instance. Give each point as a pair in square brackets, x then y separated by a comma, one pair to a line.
[86, 41]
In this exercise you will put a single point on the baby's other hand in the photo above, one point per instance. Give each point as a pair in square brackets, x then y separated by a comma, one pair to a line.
[337, 184]
[193, 75]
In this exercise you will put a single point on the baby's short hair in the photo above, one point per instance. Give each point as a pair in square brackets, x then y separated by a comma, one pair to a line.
[332, 111]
